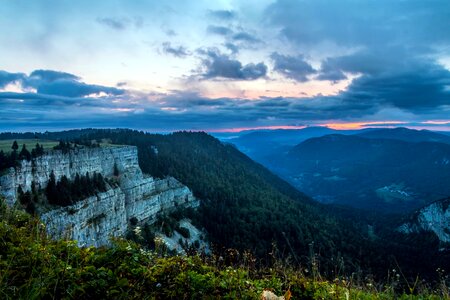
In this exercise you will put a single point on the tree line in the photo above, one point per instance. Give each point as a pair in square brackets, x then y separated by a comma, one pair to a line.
[66, 192]
[8, 160]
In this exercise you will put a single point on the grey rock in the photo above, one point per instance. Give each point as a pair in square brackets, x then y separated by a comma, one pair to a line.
[93, 221]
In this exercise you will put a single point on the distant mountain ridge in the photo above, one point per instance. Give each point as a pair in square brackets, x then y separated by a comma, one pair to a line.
[369, 172]
[407, 135]
[261, 145]
[366, 168]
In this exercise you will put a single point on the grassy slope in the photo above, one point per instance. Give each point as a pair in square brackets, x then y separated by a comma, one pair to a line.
[34, 267]
[5, 145]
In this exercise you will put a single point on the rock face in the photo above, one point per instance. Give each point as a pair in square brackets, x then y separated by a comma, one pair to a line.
[433, 218]
[175, 241]
[94, 220]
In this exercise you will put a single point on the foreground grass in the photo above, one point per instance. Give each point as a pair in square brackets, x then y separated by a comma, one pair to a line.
[34, 267]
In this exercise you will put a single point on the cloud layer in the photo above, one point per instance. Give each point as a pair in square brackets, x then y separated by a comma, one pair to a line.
[206, 64]
[218, 65]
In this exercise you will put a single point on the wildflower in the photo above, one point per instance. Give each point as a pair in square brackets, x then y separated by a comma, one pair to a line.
[137, 230]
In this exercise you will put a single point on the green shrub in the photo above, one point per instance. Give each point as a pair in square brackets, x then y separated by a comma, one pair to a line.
[34, 267]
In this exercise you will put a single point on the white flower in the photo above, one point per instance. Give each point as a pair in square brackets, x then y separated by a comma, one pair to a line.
[137, 230]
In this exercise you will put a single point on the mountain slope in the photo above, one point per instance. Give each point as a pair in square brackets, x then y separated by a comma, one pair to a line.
[244, 206]
[405, 134]
[385, 174]
[262, 145]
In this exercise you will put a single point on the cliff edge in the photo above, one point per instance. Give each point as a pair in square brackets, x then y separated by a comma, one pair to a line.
[94, 220]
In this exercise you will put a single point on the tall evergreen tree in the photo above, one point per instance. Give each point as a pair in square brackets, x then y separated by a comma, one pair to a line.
[24, 153]
[116, 170]
[3, 160]
[51, 189]
[15, 146]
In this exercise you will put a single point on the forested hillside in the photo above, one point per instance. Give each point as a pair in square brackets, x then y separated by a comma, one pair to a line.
[245, 207]
[390, 175]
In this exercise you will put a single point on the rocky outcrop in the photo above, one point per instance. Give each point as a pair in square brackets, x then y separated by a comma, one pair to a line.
[434, 217]
[177, 242]
[94, 220]
[81, 160]
[91, 222]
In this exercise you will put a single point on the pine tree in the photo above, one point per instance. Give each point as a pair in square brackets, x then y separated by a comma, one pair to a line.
[51, 189]
[116, 170]
[77, 187]
[24, 153]
[15, 146]
[38, 150]
[3, 160]
[64, 195]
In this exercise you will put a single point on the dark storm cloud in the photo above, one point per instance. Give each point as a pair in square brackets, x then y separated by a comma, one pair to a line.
[34, 100]
[50, 75]
[422, 86]
[294, 67]
[194, 101]
[217, 65]
[246, 37]
[121, 23]
[8, 78]
[331, 74]
[400, 79]
[372, 61]
[225, 15]
[56, 83]
[232, 47]
[180, 110]
[114, 23]
[273, 102]
[219, 30]
[396, 42]
[374, 22]
[178, 51]
[72, 88]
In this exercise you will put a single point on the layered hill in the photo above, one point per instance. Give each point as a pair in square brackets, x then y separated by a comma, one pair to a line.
[405, 134]
[261, 145]
[391, 175]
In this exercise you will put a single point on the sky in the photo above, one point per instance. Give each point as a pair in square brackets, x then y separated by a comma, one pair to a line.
[224, 65]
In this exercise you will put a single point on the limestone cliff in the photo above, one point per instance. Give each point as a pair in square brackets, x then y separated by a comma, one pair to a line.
[434, 217]
[94, 220]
